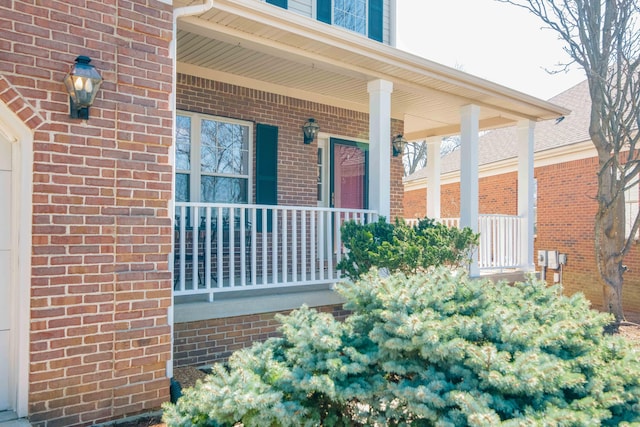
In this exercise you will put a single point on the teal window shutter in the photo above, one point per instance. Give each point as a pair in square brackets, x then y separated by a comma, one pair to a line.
[282, 3]
[266, 169]
[323, 11]
[375, 19]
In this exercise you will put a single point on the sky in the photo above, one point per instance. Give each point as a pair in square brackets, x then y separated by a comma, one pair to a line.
[496, 41]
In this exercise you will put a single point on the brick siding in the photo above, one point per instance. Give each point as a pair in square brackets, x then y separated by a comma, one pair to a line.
[297, 184]
[100, 286]
[209, 341]
[565, 222]
[212, 341]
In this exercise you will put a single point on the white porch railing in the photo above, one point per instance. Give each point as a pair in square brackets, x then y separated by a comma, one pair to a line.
[229, 247]
[500, 236]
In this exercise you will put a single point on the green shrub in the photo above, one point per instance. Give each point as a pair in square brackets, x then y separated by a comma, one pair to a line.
[434, 349]
[399, 247]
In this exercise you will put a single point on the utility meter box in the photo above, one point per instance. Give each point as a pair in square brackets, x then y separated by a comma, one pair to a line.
[542, 258]
[552, 260]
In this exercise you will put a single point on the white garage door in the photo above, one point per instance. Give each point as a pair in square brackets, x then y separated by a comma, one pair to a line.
[5, 272]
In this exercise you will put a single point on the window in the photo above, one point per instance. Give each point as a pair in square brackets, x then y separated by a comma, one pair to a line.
[361, 16]
[351, 14]
[212, 159]
[632, 205]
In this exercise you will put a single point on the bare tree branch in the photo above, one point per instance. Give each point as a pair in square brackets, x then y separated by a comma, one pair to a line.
[603, 37]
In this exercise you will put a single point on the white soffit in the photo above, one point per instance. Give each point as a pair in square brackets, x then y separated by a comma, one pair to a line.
[264, 47]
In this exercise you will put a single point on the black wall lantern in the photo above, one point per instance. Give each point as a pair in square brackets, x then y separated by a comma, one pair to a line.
[398, 145]
[311, 130]
[82, 82]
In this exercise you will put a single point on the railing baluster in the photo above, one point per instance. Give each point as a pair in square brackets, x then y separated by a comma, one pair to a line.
[303, 245]
[274, 246]
[243, 248]
[285, 250]
[294, 246]
[195, 277]
[232, 247]
[254, 247]
[338, 238]
[219, 247]
[265, 253]
[321, 242]
[313, 233]
[207, 248]
[183, 247]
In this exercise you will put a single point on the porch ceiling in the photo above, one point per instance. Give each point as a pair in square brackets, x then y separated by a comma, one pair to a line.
[257, 45]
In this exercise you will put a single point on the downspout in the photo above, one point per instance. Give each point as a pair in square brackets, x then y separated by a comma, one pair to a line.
[177, 14]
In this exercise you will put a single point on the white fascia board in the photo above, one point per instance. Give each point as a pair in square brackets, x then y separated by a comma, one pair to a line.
[567, 153]
[359, 45]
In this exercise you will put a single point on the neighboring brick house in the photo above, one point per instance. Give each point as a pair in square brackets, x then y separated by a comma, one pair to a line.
[565, 171]
[170, 226]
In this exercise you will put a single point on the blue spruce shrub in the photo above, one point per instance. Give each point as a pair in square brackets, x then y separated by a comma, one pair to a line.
[432, 349]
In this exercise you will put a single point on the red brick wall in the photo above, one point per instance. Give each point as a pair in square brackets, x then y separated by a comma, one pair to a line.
[100, 286]
[566, 211]
[498, 195]
[211, 341]
[297, 183]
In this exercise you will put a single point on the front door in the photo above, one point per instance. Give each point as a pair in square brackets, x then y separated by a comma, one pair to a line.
[349, 174]
[5, 272]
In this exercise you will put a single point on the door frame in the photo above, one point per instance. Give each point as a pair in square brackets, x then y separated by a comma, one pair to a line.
[16, 132]
[354, 143]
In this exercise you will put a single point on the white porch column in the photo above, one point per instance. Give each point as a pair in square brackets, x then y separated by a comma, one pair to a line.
[380, 146]
[469, 127]
[525, 140]
[433, 177]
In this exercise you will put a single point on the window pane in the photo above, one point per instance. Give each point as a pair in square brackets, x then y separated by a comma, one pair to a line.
[224, 148]
[223, 190]
[183, 143]
[182, 187]
[351, 14]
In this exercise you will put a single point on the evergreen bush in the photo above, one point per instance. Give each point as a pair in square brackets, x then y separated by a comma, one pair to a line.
[433, 349]
[400, 247]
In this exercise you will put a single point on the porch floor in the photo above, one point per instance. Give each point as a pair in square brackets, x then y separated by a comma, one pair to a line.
[257, 299]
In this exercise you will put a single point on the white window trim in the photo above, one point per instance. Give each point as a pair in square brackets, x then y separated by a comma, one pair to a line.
[195, 172]
[631, 208]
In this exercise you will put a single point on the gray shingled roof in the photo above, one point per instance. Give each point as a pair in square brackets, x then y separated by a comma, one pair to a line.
[497, 145]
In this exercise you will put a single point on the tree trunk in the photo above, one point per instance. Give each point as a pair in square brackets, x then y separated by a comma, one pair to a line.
[610, 239]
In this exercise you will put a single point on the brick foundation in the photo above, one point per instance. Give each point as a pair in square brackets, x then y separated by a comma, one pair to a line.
[212, 341]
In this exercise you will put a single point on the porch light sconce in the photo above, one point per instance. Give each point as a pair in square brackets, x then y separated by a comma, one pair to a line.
[398, 145]
[311, 130]
[82, 82]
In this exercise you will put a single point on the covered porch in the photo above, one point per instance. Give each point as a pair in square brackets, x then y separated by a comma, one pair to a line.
[294, 241]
